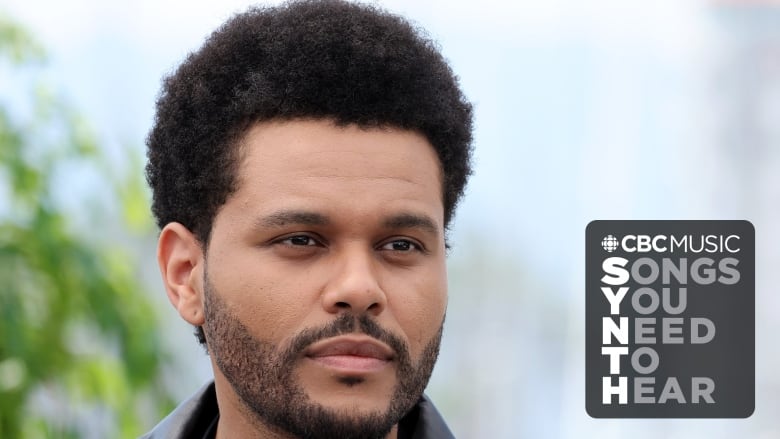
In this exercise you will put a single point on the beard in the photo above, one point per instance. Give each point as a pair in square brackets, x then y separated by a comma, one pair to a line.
[262, 374]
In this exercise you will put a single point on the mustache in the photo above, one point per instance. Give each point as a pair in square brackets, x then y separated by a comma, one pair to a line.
[346, 323]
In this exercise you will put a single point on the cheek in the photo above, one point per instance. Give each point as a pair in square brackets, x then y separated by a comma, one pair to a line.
[271, 304]
[420, 313]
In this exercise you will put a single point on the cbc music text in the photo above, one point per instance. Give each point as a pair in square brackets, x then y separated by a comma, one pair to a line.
[685, 243]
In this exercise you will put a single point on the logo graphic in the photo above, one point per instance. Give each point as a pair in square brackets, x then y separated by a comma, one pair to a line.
[610, 243]
[670, 319]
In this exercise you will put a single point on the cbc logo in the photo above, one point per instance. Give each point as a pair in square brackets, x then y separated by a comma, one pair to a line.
[610, 243]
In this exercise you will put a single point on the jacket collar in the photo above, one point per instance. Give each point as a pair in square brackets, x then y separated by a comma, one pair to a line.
[191, 419]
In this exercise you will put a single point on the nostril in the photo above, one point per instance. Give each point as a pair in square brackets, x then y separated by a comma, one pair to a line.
[343, 305]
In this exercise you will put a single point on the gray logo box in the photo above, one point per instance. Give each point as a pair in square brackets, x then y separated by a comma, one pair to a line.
[670, 319]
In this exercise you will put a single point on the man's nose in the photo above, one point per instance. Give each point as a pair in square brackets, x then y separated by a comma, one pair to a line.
[354, 285]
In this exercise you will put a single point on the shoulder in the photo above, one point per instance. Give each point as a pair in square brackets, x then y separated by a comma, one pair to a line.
[429, 423]
[190, 419]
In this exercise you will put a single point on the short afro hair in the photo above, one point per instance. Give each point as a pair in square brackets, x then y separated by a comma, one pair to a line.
[311, 59]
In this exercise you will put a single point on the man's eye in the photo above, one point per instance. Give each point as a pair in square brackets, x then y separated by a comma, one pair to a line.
[401, 245]
[299, 241]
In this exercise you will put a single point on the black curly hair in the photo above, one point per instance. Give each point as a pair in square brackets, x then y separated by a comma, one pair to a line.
[312, 59]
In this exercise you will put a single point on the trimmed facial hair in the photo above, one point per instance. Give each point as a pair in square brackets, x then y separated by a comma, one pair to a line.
[262, 374]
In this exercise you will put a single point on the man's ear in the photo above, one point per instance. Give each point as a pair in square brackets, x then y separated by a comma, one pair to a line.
[182, 262]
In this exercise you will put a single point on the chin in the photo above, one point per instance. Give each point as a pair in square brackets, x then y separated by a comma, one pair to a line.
[353, 398]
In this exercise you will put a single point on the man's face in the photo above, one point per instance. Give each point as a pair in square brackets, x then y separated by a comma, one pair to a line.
[324, 282]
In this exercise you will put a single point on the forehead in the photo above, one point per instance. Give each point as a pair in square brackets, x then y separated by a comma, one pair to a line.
[310, 147]
[316, 161]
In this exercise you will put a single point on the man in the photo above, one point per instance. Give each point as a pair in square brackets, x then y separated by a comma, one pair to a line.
[305, 164]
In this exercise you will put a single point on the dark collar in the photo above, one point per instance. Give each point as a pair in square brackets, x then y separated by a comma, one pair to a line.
[191, 420]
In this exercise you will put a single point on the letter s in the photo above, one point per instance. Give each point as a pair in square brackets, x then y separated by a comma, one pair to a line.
[615, 274]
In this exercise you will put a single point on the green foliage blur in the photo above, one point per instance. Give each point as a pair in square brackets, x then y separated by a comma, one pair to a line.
[80, 352]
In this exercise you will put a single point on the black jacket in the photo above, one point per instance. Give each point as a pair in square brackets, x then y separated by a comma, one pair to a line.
[193, 418]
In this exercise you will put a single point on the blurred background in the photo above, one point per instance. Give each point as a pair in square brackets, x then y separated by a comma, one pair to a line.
[602, 109]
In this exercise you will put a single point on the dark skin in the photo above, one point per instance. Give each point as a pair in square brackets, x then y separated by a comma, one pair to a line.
[325, 221]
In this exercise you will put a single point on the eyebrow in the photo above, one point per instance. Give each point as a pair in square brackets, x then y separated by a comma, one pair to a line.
[288, 217]
[411, 221]
[301, 217]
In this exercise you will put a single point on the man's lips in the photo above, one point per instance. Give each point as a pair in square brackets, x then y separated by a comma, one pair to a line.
[351, 354]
